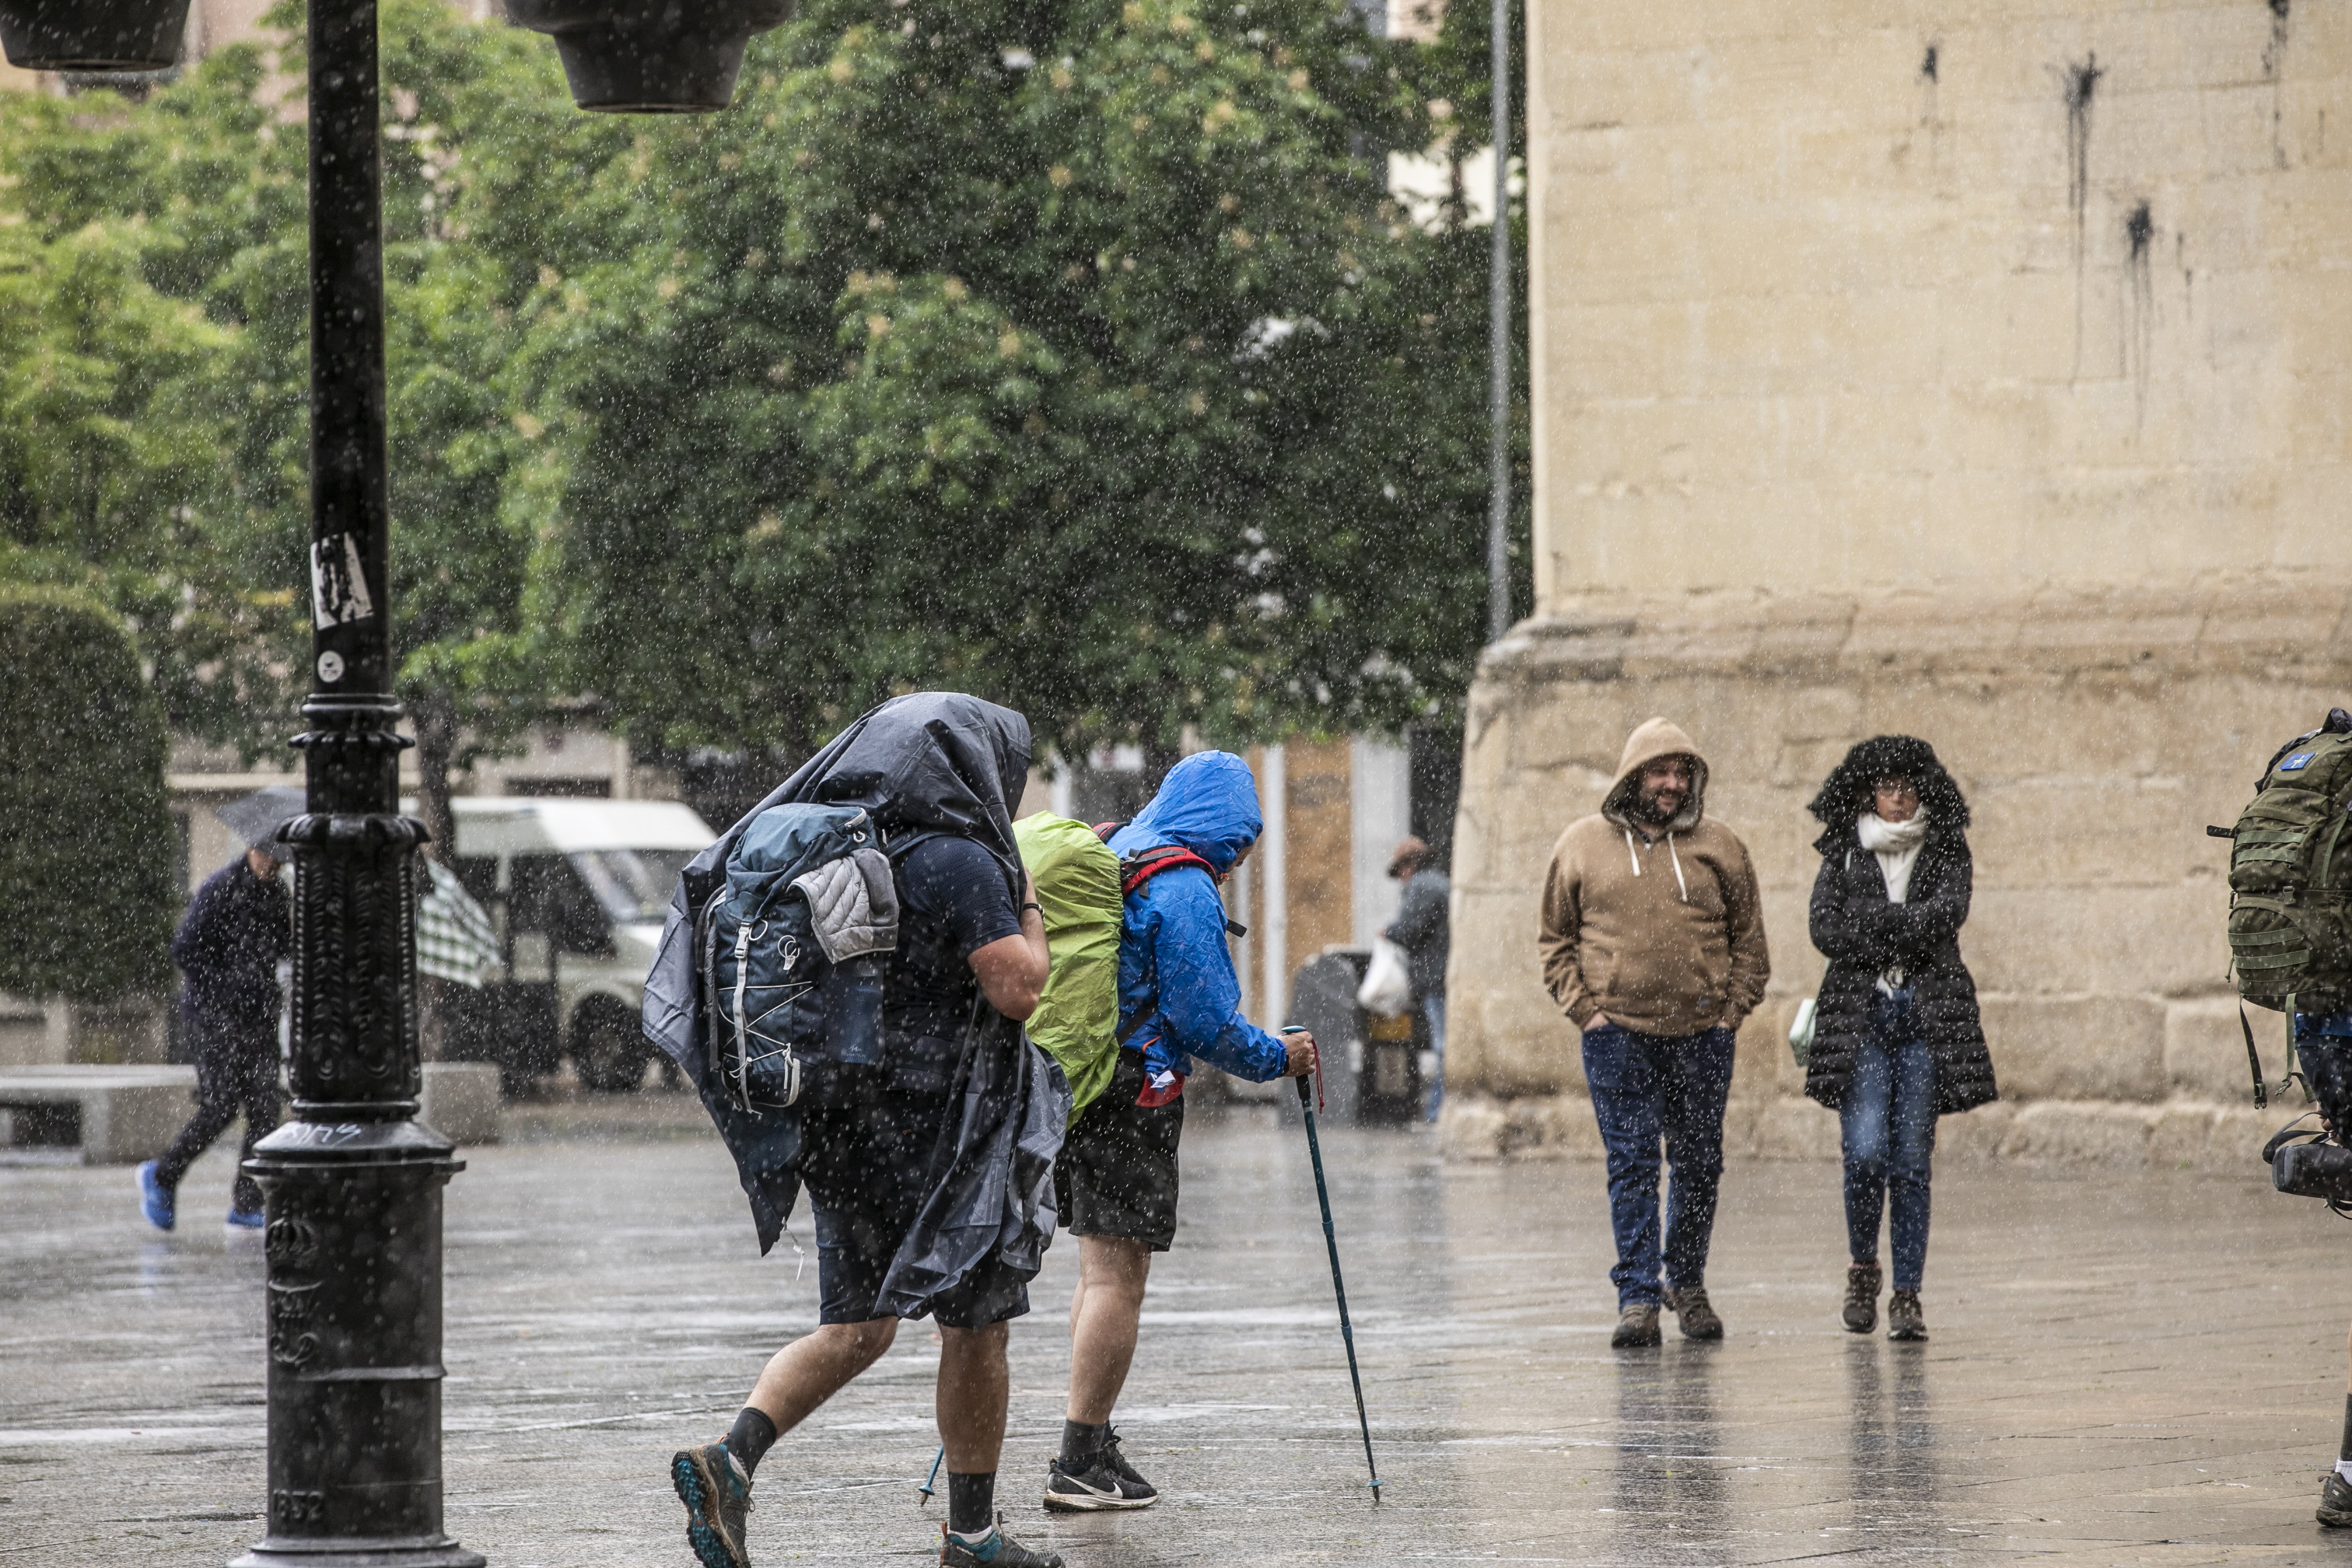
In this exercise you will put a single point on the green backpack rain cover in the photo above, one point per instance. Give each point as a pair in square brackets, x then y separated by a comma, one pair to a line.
[2291, 878]
[1077, 879]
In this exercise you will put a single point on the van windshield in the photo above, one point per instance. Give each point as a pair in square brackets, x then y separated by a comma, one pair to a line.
[633, 885]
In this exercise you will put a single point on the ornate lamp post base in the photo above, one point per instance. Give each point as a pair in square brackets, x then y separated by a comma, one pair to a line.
[354, 1330]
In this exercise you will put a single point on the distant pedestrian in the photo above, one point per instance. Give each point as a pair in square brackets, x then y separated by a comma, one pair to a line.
[238, 928]
[1116, 1178]
[1896, 1039]
[1421, 928]
[1653, 944]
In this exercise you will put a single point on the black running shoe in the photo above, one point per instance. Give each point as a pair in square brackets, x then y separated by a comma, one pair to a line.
[1107, 1483]
[999, 1551]
[718, 1498]
[2336, 1502]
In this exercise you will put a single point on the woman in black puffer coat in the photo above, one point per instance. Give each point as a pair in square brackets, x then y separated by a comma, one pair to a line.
[1897, 1040]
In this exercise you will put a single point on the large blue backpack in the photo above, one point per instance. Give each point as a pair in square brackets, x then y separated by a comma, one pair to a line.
[794, 949]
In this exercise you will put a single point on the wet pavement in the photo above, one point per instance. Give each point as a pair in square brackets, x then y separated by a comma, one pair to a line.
[2125, 1368]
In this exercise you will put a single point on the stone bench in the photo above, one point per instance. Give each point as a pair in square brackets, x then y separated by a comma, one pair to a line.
[119, 1115]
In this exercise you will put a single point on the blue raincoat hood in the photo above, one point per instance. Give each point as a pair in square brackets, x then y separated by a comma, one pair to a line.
[1208, 803]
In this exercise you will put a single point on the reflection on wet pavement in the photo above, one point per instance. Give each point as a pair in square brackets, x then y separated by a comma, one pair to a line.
[2125, 1367]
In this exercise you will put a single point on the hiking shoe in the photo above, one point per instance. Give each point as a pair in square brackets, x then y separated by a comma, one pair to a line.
[1637, 1327]
[1695, 1312]
[999, 1551]
[1905, 1320]
[1861, 1282]
[156, 1201]
[1107, 1483]
[2336, 1502]
[248, 1219]
[718, 1498]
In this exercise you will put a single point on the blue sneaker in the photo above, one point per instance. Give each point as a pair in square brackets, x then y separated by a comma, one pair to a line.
[247, 1219]
[156, 1201]
[710, 1482]
[997, 1550]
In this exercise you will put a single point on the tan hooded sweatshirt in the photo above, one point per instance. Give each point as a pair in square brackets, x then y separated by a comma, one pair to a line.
[1665, 935]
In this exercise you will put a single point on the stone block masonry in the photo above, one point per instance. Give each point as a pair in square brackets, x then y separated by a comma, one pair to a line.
[1975, 374]
[2092, 761]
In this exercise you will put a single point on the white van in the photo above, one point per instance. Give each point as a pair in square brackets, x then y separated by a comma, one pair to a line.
[576, 890]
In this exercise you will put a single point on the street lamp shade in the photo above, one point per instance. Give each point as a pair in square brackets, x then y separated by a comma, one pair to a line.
[93, 36]
[650, 57]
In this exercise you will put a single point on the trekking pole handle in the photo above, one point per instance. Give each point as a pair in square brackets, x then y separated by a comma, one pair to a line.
[1301, 1079]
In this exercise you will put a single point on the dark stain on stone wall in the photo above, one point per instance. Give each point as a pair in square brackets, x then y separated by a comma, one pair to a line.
[2139, 304]
[2082, 83]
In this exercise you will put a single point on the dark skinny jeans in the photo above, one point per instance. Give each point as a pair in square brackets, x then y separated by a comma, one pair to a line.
[237, 1074]
[1648, 1088]
[1887, 1122]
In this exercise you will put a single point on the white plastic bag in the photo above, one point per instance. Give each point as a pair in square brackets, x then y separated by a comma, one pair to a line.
[1388, 986]
[1801, 1034]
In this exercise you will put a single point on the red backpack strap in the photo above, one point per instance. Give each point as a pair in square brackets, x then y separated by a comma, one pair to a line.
[1145, 864]
[1103, 830]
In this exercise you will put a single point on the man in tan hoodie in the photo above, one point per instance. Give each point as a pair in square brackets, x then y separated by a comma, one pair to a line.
[1653, 943]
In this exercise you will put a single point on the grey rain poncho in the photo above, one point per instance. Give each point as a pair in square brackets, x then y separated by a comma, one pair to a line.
[922, 765]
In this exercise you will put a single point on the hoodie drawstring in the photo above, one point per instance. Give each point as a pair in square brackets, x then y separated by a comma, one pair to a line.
[1634, 856]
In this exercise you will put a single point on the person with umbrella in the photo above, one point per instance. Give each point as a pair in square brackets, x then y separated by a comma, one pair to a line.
[238, 926]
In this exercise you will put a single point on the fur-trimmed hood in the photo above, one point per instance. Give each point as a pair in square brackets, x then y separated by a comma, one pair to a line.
[1846, 794]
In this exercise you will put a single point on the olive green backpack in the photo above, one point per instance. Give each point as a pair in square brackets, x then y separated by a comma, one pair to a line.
[2291, 884]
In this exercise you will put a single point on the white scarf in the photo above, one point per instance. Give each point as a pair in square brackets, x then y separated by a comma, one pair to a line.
[1896, 844]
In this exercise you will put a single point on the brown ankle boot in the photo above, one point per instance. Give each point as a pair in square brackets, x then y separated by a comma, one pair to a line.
[1862, 1281]
[1904, 1319]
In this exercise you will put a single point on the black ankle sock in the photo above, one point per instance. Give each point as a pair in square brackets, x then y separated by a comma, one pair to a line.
[753, 1436]
[2346, 1451]
[972, 1502]
[1081, 1443]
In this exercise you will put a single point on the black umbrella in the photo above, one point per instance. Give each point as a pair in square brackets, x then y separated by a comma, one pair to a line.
[256, 817]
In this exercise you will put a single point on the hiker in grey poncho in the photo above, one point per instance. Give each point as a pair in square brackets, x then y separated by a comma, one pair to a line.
[929, 1172]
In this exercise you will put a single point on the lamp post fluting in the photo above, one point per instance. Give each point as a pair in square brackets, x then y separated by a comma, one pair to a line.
[354, 1180]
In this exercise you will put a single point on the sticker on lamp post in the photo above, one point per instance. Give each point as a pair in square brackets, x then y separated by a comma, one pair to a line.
[338, 590]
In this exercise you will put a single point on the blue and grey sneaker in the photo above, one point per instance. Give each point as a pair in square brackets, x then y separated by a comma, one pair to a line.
[1106, 1481]
[247, 1219]
[717, 1492]
[998, 1550]
[156, 1201]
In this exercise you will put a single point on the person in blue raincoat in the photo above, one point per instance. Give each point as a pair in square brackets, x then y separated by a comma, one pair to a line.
[1115, 1180]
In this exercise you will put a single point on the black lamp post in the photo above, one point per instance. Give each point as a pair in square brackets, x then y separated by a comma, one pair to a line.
[354, 1180]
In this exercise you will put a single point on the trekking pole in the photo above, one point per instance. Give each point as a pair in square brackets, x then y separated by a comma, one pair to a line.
[926, 1488]
[1338, 1289]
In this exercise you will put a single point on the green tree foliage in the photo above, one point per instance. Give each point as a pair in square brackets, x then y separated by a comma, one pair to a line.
[1068, 352]
[85, 837]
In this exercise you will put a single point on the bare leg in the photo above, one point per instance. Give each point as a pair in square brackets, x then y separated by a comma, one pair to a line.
[818, 1365]
[1103, 1312]
[974, 1386]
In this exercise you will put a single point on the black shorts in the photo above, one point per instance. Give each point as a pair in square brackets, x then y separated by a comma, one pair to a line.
[1117, 1173]
[866, 1137]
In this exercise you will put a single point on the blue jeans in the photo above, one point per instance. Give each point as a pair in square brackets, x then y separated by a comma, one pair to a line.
[1432, 1007]
[1887, 1122]
[1646, 1088]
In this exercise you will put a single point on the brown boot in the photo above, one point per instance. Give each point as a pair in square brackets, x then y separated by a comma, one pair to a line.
[1862, 1281]
[1905, 1320]
[1637, 1326]
[1697, 1313]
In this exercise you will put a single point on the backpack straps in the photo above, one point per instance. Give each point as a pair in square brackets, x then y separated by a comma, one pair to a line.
[2254, 1061]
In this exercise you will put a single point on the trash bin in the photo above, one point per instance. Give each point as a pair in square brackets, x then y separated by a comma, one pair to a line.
[1371, 1065]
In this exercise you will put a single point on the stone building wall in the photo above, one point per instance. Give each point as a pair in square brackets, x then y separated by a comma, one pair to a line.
[1982, 374]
